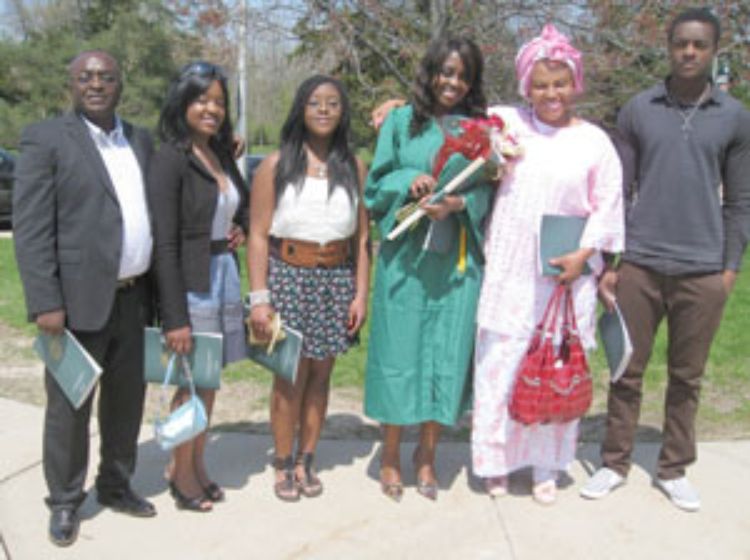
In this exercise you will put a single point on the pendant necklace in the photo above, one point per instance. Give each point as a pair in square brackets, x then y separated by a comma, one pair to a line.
[688, 114]
[320, 170]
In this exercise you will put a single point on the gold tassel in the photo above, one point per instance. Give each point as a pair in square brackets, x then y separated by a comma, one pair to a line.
[462, 250]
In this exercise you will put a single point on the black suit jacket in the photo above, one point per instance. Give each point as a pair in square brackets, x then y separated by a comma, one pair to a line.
[67, 221]
[183, 196]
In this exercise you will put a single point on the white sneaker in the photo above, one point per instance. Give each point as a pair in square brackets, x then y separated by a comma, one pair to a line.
[680, 492]
[601, 483]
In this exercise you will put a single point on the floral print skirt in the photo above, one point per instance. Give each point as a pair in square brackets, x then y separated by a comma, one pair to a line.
[314, 301]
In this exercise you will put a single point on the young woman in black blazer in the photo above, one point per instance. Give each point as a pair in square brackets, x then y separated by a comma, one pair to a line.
[199, 207]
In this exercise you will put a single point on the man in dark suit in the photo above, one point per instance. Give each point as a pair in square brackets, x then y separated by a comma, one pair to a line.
[83, 244]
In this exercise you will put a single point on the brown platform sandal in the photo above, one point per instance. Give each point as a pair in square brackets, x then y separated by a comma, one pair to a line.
[286, 489]
[310, 485]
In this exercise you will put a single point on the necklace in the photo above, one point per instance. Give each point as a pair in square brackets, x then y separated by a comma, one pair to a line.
[319, 170]
[688, 114]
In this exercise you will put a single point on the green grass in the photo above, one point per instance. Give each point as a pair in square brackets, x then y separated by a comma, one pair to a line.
[726, 396]
[12, 305]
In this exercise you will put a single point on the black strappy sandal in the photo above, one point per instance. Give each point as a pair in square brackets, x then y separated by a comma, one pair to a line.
[310, 485]
[286, 489]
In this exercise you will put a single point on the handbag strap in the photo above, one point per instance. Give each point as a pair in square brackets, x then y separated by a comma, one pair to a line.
[569, 323]
[187, 371]
[548, 325]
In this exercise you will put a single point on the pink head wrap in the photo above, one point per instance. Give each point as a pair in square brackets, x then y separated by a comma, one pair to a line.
[550, 45]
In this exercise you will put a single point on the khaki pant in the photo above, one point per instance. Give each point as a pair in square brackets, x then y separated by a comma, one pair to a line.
[693, 306]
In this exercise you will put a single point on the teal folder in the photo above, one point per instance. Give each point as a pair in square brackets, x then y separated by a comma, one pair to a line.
[284, 359]
[441, 236]
[559, 235]
[75, 371]
[205, 359]
[616, 342]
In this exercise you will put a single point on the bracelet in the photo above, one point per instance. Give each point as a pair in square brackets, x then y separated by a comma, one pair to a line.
[462, 198]
[259, 297]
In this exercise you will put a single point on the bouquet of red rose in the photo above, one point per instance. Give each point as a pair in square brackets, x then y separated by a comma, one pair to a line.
[483, 142]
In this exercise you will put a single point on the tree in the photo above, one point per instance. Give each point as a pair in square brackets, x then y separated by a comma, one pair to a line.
[374, 46]
[33, 70]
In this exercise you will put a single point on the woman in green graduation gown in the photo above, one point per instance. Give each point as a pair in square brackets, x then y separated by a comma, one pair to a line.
[427, 279]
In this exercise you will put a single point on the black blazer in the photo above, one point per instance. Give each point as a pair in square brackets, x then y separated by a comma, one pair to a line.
[67, 221]
[183, 196]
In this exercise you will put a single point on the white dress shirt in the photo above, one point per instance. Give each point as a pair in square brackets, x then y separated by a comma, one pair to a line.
[127, 178]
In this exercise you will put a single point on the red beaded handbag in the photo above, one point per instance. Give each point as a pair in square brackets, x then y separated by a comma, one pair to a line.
[553, 386]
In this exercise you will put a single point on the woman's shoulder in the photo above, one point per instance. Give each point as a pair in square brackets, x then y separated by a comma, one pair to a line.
[271, 159]
[594, 133]
[402, 115]
[171, 152]
[267, 168]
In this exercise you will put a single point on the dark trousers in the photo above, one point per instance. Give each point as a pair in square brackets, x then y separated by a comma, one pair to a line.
[693, 306]
[118, 348]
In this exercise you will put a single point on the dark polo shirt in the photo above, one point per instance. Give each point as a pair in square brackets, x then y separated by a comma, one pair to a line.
[690, 208]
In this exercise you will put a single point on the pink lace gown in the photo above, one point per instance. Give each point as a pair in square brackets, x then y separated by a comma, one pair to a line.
[573, 171]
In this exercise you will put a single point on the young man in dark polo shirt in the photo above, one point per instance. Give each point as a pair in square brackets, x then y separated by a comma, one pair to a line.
[686, 230]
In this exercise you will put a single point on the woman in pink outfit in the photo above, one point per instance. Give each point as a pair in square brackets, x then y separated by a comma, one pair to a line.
[568, 167]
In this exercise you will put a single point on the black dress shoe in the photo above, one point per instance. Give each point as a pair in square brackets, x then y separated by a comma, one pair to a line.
[63, 526]
[127, 501]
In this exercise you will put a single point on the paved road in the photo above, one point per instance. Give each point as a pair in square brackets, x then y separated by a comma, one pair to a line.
[353, 520]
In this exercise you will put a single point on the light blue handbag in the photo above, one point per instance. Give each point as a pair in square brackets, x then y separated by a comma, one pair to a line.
[186, 421]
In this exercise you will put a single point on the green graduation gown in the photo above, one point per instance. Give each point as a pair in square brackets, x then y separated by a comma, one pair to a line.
[423, 302]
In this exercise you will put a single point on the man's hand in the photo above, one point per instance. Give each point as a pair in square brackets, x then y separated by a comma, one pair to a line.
[236, 237]
[238, 146]
[607, 289]
[51, 322]
[729, 277]
[381, 111]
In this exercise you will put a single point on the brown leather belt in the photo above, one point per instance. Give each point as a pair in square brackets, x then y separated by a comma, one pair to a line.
[308, 254]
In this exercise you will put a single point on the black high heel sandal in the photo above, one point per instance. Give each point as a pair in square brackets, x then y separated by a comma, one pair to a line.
[198, 503]
[214, 492]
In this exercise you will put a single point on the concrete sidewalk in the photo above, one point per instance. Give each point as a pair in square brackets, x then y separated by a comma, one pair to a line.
[353, 520]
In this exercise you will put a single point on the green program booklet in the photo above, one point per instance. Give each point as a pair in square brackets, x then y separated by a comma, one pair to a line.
[75, 371]
[205, 359]
[284, 358]
[559, 235]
